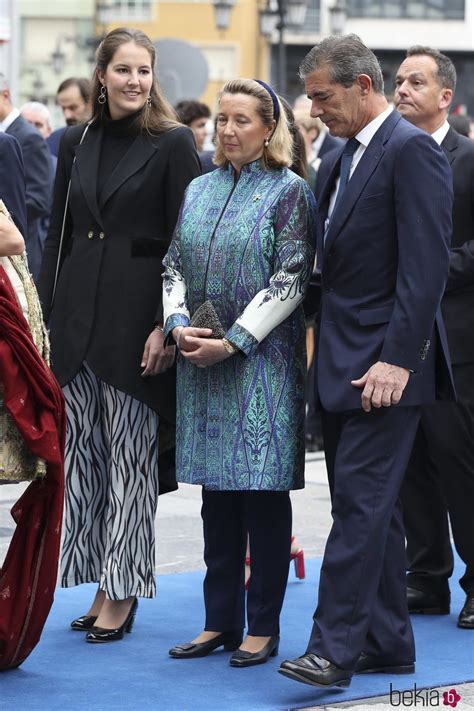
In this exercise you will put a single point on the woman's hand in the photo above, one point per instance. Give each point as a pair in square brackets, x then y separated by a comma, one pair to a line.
[204, 352]
[183, 333]
[156, 358]
[11, 241]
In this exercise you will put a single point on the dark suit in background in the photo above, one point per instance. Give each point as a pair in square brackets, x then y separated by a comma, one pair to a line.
[440, 476]
[54, 139]
[12, 180]
[37, 162]
[329, 144]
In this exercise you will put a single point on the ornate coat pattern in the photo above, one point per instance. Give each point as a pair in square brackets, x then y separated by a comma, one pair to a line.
[246, 245]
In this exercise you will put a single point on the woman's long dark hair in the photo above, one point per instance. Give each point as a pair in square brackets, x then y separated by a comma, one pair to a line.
[157, 118]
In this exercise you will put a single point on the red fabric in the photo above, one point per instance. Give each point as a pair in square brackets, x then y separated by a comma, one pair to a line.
[35, 401]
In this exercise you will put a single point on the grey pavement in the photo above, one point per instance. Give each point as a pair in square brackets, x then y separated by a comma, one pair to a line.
[179, 544]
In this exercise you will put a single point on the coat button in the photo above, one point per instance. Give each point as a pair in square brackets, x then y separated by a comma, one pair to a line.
[90, 234]
[101, 235]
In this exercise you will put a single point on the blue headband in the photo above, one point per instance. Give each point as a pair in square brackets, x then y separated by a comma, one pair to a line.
[274, 98]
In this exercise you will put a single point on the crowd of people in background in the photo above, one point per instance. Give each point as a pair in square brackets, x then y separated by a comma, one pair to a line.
[231, 205]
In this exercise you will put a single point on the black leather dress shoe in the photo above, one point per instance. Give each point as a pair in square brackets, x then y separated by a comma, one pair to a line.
[101, 634]
[84, 623]
[241, 658]
[190, 650]
[375, 665]
[423, 603]
[315, 671]
[466, 616]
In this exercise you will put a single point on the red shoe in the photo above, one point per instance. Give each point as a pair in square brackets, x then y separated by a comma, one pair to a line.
[298, 557]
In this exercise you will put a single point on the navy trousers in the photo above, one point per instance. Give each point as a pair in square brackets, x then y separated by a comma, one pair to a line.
[227, 518]
[362, 603]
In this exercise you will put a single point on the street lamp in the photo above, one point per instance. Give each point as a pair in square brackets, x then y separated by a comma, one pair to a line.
[58, 55]
[279, 15]
[222, 10]
[275, 15]
[337, 17]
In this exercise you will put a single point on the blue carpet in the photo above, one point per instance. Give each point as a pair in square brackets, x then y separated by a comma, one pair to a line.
[66, 673]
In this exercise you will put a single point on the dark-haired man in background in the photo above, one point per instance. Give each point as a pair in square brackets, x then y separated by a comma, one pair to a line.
[440, 475]
[74, 97]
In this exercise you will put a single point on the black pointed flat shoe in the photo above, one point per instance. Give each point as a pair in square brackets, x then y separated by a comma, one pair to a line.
[101, 634]
[241, 658]
[84, 623]
[191, 650]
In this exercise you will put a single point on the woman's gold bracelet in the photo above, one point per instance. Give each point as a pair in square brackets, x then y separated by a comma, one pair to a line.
[230, 348]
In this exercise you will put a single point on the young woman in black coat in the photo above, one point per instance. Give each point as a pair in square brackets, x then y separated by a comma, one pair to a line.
[128, 171]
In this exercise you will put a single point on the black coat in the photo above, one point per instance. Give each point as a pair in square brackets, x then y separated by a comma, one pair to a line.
[108, 294]
[458, 301]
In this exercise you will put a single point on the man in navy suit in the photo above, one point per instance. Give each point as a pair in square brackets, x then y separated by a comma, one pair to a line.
[37, 162]
[440, 475]
[383, 250]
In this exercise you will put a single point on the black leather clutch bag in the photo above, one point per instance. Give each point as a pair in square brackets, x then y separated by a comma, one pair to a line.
[206, 316]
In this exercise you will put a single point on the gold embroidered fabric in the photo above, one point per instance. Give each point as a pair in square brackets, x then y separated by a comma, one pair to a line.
[17, 463]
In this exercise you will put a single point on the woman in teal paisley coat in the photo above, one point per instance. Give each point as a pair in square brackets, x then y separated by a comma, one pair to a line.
[244, 241]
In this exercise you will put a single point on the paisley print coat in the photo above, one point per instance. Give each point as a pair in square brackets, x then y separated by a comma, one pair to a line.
[245, 244]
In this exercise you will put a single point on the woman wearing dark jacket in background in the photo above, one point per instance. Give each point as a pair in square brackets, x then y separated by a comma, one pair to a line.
[131, 168]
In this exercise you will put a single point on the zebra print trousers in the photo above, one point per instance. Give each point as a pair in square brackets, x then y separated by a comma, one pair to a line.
[111, 469]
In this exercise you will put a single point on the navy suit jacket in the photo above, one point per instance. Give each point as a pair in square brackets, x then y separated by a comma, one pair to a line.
[12, 180]
[38, 173]
[384, 263]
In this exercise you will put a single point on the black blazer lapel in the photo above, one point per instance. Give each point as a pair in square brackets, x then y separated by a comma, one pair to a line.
[87, 166]
[450, 144]
[139, 153]
[364, 169]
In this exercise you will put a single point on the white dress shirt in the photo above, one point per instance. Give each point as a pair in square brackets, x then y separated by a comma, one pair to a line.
[9, 120]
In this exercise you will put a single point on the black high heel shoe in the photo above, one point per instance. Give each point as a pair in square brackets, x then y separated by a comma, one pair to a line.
[190, 650]
[241, 658]
[84, 623]
[100, 634]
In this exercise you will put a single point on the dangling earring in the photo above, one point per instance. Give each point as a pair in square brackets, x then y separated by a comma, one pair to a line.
[148, 101]
[266, 142]
[102, 98]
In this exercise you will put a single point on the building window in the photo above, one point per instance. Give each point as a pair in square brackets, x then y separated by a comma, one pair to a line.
[408, 9]
[128, 10]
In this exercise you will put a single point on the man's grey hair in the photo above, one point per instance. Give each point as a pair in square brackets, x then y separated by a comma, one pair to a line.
[40, 108]
[346, 57]
[446, 74]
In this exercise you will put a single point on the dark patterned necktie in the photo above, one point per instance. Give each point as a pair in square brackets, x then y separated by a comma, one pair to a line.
[346, 161]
